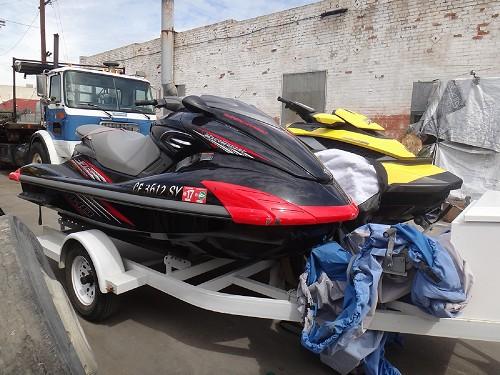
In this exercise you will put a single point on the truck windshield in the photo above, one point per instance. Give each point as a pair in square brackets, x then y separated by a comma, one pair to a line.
[84, 90]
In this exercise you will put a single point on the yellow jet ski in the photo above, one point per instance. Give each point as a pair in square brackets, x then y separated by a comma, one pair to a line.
[410, 187]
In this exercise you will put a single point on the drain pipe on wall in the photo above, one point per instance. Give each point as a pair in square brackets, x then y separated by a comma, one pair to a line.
[167, 48]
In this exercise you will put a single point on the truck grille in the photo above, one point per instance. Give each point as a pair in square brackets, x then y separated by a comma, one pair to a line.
[121, 125]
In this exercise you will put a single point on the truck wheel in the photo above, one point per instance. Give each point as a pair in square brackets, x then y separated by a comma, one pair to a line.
[83, 286]
[38, 154]
[39, 330]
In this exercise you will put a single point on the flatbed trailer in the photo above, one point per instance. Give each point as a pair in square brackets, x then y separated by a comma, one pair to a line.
[30, 126]
[120, 267]
[14, 140]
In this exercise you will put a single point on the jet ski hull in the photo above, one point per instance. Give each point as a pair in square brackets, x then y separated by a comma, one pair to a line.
[406, 201]
[187, 210]
[409, 186]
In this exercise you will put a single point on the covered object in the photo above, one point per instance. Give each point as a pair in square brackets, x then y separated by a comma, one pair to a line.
[342, 287]
[463, 115]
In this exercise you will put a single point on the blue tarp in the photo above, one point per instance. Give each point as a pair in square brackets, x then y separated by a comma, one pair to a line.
[437, 281]
[436, 286]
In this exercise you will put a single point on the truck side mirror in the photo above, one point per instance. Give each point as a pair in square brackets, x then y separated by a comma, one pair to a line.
[41, 85]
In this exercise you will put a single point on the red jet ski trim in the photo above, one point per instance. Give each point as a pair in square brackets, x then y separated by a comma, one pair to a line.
[243, 122]
[89, 170]
[255, 207]
[14, 176]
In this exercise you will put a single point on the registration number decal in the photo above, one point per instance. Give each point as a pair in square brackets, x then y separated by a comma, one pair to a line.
[157, 189]
[194, 194]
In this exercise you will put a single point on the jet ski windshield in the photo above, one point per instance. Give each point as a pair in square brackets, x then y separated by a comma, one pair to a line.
[238, 107]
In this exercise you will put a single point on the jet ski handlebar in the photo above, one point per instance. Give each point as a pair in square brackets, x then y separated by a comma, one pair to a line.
[302, 110]
[146, 102]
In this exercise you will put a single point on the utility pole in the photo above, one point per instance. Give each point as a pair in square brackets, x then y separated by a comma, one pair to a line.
[167, 48]
[43, 46]
[56, 51]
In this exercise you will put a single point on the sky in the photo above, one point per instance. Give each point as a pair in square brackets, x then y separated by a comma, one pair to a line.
[86, 27]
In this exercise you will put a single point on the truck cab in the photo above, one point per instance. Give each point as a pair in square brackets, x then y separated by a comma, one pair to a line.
[70, 95]
[75, 96]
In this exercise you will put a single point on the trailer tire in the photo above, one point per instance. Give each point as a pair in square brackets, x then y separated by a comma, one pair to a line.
[38, 154]
[83, 286]
[39, 330]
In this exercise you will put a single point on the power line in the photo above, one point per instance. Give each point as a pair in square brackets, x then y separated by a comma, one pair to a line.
[17, 23]
[22, 36]
[16, 1]
[57, 12]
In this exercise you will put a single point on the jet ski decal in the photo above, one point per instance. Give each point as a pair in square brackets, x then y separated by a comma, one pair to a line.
[97, 208]
[157, 189]
[116, 214]
[91, 206]
[228, 146]
[81, 206]
[246, 123]
[194, 194]
[89, 170]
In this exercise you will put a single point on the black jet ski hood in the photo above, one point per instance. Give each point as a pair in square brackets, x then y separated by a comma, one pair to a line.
[294, 156]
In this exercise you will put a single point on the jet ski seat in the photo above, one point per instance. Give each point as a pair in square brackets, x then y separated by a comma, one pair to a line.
[121, 150]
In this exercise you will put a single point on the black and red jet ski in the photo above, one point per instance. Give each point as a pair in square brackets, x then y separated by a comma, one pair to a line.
[215, 175]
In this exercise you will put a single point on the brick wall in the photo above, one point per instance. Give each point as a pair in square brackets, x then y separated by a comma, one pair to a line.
[372, 53]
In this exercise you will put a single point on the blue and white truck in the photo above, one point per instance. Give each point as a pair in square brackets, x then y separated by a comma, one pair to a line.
[70, 96]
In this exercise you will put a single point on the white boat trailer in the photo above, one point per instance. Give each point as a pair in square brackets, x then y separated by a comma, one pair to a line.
[475, 233]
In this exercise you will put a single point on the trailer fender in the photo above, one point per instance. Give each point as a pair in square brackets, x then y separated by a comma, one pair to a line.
[45, 138]
[105, 257]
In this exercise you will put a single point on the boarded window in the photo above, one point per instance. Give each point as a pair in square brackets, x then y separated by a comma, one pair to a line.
[308, 88]
[419, 99]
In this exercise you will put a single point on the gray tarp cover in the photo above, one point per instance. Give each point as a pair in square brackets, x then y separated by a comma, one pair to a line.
[465, 111]
[478, 167]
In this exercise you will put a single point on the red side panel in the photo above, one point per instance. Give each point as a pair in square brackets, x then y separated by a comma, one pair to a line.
[255, 207]
[329, 214]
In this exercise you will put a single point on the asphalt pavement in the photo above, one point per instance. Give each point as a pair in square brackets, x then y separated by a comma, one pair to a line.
[153, 333]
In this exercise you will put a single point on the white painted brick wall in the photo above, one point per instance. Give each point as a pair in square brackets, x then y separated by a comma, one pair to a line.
[373, 53]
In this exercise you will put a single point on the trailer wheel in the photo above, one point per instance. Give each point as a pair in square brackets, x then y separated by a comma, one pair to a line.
[38, 154]
[83, 287]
